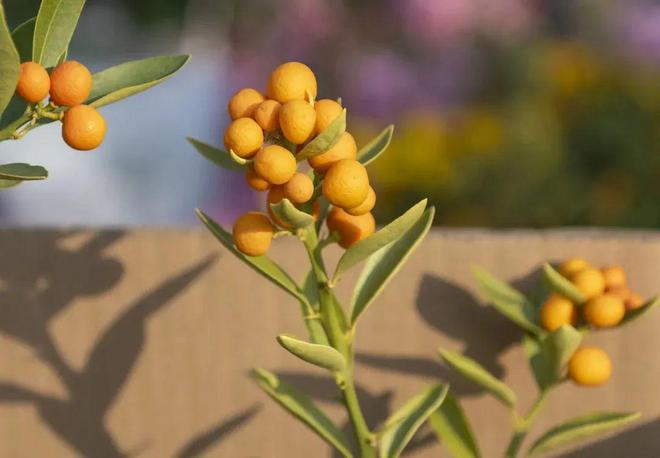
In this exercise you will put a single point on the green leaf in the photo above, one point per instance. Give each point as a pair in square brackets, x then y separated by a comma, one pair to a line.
[320, 355]
[290, 215]
[326, 139]
[473, 371]
[123, 80]
[508, 301]
[54, 27]
[22, 172]
[301, 407]
[4, 184]
[532, 347]
[561, 285]
[370, 152]
[219, 157]
[23, 36]
[400, 428]
[9, 63]
[580, 428]
[636, 313]
[557, 349]
[261, 264]
[365, 248]
[384, 263]
[453, 429]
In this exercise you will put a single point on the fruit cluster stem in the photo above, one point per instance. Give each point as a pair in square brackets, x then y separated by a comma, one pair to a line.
[523, 425]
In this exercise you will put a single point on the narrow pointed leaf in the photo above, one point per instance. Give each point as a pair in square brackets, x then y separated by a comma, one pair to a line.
[54, 27]
[22, 172]
[123, 80]
[290, 215]
[401, 426]
[557, 349]
[473, 371]
[537, 363]
[261, 264]
[636, 313]
[453, 429]
[370, 152]
[320, 355]
[580, 428]
[219, 157]
[562, 285]
[301, 407]
[4, 184]
[23, 36]
[384, 263]
[326, 139]
[9, 63]
[508, 301]
[365, 248]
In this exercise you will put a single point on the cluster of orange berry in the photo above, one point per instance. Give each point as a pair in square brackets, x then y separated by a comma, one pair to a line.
[267, 131]
[608, 298]
[68, 85]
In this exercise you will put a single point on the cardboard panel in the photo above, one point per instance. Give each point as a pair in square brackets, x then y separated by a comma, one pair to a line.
[139, 343]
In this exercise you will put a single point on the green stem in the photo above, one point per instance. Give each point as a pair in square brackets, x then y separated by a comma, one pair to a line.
[523, 425]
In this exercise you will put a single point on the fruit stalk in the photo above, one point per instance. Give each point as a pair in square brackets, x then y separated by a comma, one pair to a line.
[523, 425]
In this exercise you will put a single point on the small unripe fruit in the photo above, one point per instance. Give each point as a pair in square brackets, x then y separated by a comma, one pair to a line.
[572, 266]
[253, 234]
[244, 103]
[345, 148]
[299, 189]
[33, 82]
[351, 229]
[297, 119]
[557, 311]
[346, 184]
[615, 277]
[275, 164]
[267, 115]
[604, 311]
[589, 366]
[244, 137]
[590, 282]
[83, 128]
[254, 180]
[326, 111]
[291, 81]
[70, 84]
[366, 206]
[634, 301]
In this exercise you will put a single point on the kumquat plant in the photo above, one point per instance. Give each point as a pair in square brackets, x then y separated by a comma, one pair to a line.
[270, 139]
[571, 303]
[39, 84]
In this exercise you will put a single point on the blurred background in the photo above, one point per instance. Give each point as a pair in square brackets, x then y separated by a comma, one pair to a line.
[510, 113]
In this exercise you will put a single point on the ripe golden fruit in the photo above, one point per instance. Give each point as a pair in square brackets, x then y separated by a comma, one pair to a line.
[267, 115]
[83, 128]
[275, 164]
[633, 301]
[244, 137]
[604, 311]
[346, 184]
[244, 102]
[366, 206]
[253, 234]
[590, 282]
[33, 82]
[276, 194]
[297, 120]
[254, 180]
[327, 111]
[589, 366]
[299, 189]
[291, 81]
[345, 148]
[70, 84]
[615, 277]
[572, 266]
[351, 229]
[557, 311]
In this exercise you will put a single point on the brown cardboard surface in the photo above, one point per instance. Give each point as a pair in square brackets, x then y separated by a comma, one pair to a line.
[140, 342]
